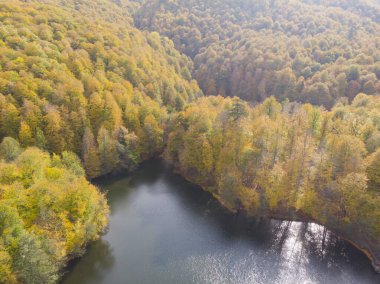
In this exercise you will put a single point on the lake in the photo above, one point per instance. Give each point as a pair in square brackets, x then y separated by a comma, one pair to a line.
[166, 230]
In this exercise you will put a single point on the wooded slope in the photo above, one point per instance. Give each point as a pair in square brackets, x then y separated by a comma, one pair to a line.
[306, 51]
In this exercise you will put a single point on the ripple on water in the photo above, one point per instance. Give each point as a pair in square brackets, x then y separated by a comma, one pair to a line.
[286, 262]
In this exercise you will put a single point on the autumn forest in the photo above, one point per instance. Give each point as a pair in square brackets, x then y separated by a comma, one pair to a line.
[272, 106]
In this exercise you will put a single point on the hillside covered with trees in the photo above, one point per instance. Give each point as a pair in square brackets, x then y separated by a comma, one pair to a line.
[287, 161]
[306, 51]
[48, 213]
[98, 88]
[90, 88]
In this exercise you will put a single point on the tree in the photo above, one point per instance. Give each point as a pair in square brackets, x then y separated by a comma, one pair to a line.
[369, 87]
[90, 155]
[6, 273]
[347, 154]
[53, 131]
[353, 73]
[9, 149]
[9, 120]
[33, 261]
[152, 139]
[108, 155]
[271, 107]
[128, 148]
[373, 172]
[238, 109]
[40, 139]
[352, 189]
[96, 111]
[25, 135]
[72, 162]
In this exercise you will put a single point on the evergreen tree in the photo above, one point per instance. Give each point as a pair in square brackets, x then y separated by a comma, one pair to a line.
[90, 155]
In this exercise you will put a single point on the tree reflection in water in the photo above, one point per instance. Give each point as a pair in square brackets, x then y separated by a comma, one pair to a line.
[92, 267]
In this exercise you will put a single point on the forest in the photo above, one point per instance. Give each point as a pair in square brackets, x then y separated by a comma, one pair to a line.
[306, 51]
[272, 106]
[107, 89]
[49, 212]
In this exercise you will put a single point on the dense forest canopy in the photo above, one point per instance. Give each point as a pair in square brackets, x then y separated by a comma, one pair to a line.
[104, 86]
[48, 213]
[307, 51]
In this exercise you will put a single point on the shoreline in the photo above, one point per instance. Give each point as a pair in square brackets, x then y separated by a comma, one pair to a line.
[300, 217]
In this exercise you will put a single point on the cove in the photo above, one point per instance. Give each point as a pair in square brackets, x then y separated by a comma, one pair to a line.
[166, 230]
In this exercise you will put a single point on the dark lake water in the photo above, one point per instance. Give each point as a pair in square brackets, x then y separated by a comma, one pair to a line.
[165, 230]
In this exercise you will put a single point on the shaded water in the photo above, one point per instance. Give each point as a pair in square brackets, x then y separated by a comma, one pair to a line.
[166, 230]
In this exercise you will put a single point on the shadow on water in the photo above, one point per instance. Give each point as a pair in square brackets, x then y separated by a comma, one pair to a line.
[195, 224]
[99, 259]
[97, 262]
[321, 249]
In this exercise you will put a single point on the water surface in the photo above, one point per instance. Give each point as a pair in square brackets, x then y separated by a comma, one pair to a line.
[165, 230]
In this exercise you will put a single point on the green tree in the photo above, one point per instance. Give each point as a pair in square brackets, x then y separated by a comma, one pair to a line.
[109, 158]
[353, 73]
[238, 109]
[9, 149]
[90, 155]
[373, 172]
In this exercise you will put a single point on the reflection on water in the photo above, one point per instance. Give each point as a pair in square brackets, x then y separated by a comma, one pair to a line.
[165, 230]
[98, 261]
